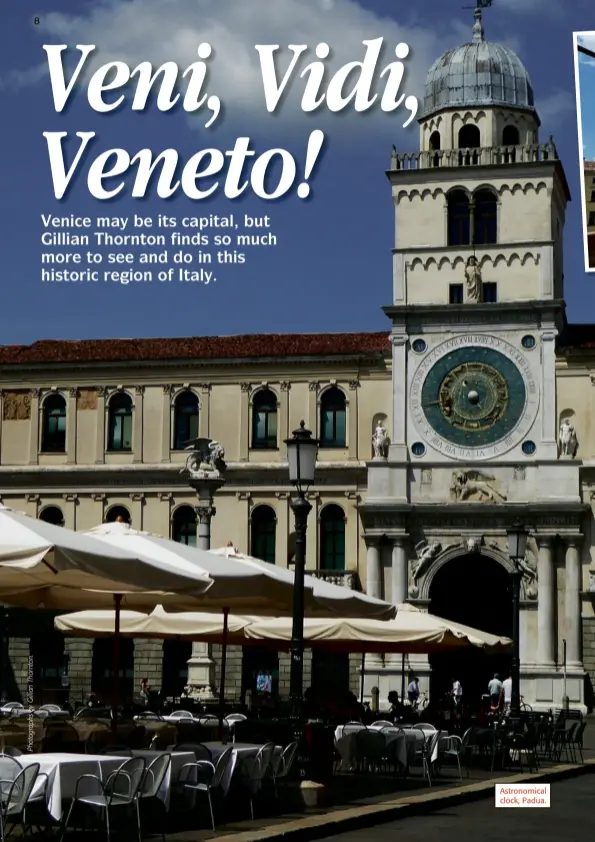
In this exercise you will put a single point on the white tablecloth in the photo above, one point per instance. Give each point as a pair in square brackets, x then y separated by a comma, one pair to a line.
[242, 759]
[401, 743]
[63, 771]
[178, 759]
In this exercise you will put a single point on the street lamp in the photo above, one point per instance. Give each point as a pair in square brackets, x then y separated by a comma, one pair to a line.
[517, 544]
[302, 450]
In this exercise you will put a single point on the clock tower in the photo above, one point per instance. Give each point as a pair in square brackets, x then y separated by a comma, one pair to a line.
[476, 308]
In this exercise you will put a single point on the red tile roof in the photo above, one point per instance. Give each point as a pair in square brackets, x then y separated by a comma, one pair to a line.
[251, 346]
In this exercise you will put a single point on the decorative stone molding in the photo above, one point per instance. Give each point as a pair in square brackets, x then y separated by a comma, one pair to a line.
[204, 514]
[73, 392]
[353, 495]
[313, 385]
[137, 496]
[35, 393]
[70, 498]
[168, 389]
[165, 496]
[32, 498]
[139, 390]
[99, 498]
[246, 387]
[16, 405]
[354, 384]
[282, 495]
[244, 495]
[101, 390]
[205, 388]
[397, 341]
[521, 257]
[285, 386]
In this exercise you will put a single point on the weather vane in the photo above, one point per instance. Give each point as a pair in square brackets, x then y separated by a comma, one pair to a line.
[480, 4]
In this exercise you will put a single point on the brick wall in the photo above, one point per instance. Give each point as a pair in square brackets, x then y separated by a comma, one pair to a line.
[80, 666]
[148, 663]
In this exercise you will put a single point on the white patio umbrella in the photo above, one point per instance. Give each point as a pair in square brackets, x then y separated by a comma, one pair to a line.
[330, 600]
[42, 565]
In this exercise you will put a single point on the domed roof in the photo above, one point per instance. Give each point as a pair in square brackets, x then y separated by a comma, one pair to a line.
[477, 74]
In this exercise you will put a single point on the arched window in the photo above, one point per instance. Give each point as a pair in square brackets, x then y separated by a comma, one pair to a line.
[459, 218]
[183, 526]
[118, 514]
[185, 419]
[333, 418]
[485, 217]
[53, 515]
[264, 420]
[53, 425]
[120, 422]
[332, 538]
[263, 528]
[435, 147]
[469, 141]
[469, 137]
[510, 136]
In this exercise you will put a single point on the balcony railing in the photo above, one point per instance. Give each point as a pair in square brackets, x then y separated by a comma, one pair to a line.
[344, 578]
[480, 157]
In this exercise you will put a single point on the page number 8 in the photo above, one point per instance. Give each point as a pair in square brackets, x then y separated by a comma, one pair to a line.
[36, 20]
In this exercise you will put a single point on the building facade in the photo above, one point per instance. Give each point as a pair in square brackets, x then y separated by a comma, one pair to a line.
[486, 392]
[589, 181]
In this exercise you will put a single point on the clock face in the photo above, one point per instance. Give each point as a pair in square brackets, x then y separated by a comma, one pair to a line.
[474, 397]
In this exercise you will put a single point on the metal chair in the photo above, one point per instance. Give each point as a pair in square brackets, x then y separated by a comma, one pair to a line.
[51, 708]
[285, 763]
[198, 750]
[260, 768]
[235, 717]
[381, 723]
[10, 768]
[451, 746]
[12, 751]
[212, 777]
[181, 714]
[152, 782]
[121, 789]
[13, 805]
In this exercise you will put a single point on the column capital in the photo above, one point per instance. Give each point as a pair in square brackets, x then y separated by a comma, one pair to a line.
[544, 541]
[573, 541]
[399, 541]
[372, 541]
[205, 513]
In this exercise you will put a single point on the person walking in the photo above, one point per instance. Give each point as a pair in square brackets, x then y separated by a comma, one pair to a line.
[413, 691]
[456, 693]
[495, 691]
[507, 693]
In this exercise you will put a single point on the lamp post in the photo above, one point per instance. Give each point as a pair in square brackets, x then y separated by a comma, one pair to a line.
[517, 544]
[302, 450]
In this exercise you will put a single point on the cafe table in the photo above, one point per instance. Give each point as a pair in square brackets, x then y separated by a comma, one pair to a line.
[242, 759]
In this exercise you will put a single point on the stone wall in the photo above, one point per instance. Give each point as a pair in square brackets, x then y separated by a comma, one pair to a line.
[18, 672]
[233, 671]
[80, 667]
[148, 663]
[589, 660]
[285, 672]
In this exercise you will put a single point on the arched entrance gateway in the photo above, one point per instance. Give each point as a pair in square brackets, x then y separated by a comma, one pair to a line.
[472, 589]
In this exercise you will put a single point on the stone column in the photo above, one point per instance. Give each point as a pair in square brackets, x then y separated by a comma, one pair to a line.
[399, 572]
[573, 603]
[352, 443]
[546, 592]
[137, 439]
[34, 428]
[100, 429]
[204, 414]
[71, 422]
[166, 434]
[245, 431]
[373, 569]
[80, 667]
[201, 666]
[549, 432]
[399, 433]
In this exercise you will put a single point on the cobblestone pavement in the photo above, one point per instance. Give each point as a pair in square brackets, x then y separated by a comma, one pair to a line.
[571, 818]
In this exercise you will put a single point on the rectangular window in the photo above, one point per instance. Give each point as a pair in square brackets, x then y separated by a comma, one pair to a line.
[490, 292]
[334, 428]
[591, 221]
[455, 294]
[122, 433]
[592, 196]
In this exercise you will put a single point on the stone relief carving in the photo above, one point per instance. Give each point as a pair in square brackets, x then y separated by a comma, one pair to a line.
[528, 567]
[205, 460]
[86, 400]
[567, 440]
[473, 280]
[591, 582]
[475, 487]
[425, 553]
[380, 442]
[473, 544]
[17, 405]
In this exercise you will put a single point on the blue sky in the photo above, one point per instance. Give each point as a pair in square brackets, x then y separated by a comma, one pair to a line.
[331, 269]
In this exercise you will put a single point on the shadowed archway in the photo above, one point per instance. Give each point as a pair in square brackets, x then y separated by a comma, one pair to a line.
[473, 590]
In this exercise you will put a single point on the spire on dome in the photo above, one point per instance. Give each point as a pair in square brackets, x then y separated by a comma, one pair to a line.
[480, 5]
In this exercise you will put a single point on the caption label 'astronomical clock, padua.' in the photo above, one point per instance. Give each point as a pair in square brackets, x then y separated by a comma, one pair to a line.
[476, 440]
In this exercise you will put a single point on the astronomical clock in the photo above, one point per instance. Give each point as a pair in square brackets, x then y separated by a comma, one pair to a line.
[473, 397]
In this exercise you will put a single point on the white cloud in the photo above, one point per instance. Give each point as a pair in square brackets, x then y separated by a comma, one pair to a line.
[166, 30]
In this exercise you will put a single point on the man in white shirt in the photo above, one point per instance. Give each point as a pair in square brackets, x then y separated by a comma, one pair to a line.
[507, 693]
[457, 691]
[495, 691]
[413, 691]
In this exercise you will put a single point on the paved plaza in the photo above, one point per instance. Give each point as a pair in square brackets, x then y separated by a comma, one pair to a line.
[570, 818]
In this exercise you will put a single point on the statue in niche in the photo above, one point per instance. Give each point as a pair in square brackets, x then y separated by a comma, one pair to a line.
[380, 441]
[567, 440]
[473, 280]
[528, 566]
[475, 487]
[473, 545]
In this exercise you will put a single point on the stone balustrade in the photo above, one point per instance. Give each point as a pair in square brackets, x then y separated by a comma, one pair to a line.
[479, 157]
[344, 578]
